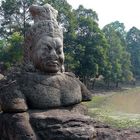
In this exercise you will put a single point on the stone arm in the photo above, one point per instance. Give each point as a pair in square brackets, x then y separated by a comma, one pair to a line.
[86, 94]
[11, 99]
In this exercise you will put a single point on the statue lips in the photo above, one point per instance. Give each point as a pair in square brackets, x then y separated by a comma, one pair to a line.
[52, 63]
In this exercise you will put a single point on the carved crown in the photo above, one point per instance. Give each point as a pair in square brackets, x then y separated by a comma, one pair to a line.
[45, 23]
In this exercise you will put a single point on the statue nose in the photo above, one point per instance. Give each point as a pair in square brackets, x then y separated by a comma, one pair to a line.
[53, 54]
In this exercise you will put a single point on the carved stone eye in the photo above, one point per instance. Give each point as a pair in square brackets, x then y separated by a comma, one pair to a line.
[49, 47]
[58, 51]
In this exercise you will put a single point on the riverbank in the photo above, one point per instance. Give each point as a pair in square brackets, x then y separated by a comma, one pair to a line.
[119, 108]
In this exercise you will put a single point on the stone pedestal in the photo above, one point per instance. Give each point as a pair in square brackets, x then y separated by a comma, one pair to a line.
[54, 124]
[62, 125]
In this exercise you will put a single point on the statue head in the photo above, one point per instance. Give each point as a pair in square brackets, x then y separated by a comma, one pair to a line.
[44, 40]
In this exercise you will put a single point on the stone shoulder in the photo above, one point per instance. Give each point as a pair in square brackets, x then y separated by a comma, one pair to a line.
[70, 74]
[86, 94]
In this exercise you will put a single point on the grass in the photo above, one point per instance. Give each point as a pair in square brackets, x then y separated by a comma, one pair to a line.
[120, 109]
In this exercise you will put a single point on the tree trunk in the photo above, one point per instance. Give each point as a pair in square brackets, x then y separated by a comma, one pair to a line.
[93, 83]
[117, 84]
[108, 84]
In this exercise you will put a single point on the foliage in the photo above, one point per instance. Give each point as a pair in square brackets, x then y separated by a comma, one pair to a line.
[133, 44]
[88, 51]
[119, 58]
[14, 16]
[11, 49]
[82, 39]
[90, 48]
[120, 28]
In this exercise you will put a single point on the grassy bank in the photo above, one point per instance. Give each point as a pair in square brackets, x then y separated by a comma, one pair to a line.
[119, 109]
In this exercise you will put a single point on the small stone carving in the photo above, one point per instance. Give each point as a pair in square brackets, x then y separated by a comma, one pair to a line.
[43, 101]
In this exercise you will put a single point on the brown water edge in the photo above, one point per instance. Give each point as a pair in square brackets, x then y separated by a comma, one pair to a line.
[127, 101]
[119, 108]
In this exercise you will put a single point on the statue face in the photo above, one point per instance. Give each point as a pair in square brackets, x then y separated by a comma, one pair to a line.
[48, 54]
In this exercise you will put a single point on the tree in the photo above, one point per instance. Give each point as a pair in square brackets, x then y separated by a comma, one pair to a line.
[14, 16]
[11, 50]
[90, 48]
[119, 58]
[133, 45]
[119, 28]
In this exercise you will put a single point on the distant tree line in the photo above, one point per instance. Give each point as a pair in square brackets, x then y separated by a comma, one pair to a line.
[89, 51]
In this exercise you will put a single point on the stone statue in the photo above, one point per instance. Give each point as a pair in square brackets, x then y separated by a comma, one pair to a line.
[43, 101]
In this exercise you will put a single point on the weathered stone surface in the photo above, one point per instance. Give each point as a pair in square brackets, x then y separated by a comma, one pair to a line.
[30, 98]
[15, 126]
[52, 91]
[11, 98]
[1, 76]
[62, 125]
[56, 124]
[106, 132]
[28, 88]
[59, 124]
[44, 40]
